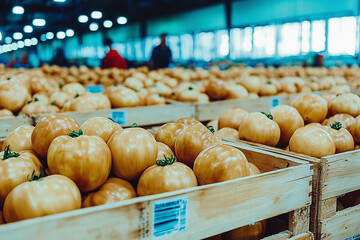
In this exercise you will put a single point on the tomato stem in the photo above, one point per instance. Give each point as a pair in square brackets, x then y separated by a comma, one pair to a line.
[211, 128]
[191, 88]
[134, 125]
[77, 95]
[9, 154]
[60, 85]
[268, 115]
[111, 119]
[36, 99]
[34, 177]
[166, 161]
[76, 134]
[336, 125]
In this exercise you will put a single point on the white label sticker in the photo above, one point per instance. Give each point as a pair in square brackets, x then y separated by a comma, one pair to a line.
[275, 101]
[169, 216]
[119, 117]
[95, 89]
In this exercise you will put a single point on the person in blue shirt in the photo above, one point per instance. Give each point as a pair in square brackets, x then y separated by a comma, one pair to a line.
[161, 54]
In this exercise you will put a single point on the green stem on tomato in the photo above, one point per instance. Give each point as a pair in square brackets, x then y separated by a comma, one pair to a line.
[34, 177]
[166, 161]
[134, 125]
[9, 154]
[211, 129]
[268, 115]
[76, 134]
[336, 125]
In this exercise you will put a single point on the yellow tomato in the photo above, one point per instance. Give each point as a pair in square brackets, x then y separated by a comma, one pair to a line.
[346, 103]
[13, 95]
[122, 97]
[341, 137]
[228, 133]
[345, 119]
[168, 133]
[163, 151]
[232, 118]
[19, 139]
[6, 113]
[254, 170]
[101, 127]
[252, 231]
[355, 129]
[312, 108]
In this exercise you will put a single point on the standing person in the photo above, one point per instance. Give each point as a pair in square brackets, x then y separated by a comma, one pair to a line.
[59, 59]
[161, 54]
[112, 58]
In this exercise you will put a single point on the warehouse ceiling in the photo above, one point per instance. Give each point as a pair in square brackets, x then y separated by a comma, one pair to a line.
[60, 14]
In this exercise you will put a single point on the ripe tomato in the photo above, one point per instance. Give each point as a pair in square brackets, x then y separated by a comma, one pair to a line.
[236, 91]
[220, 163]
[228, 133]
[346, 103]
[288, 119]
[74, 89]
[252, 231]
[216, 89]
[188, 121]
[19, 139]
[13, 95]
[84, 159]
[41, 197]
[312, 141]
[254, 170]
[191, 141]
[59, 98]
[232, 118]
[260, 128]
[168, 133]
[88, 102]
[15, 168]
[48, 128]
[36, 107]
[6, 113]
[341, 137]
[155, 99]
[167, 175]
[345, 119]
[101, 127]
[355, 129]
[133, 150]
[113, 190]
[312, 108]
[163, 151]
[122, 97]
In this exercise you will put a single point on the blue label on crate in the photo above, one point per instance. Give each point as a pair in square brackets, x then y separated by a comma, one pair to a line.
[95, 89]
[119, 116]
[316, 93]
[357, 237]
[169, 216]
[275, 101]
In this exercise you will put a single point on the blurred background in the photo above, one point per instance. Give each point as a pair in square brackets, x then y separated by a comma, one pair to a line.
[199, 32]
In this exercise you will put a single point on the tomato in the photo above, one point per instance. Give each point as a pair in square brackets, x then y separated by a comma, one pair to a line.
[214, 124]
[189, 95]
[59, 98]
[268, 89]
[39, 84]
[48, 128]
[168, 133]
[101, 127]
[312, 141]
[232, 118]
[252, 231]
[19, 139]
[216, 89]
[188, 121]
[260, 128]
[84, 159]
[288, 119]
[15, 168]
[312, 108]
[133, 83]
[220, 163]
[167, 175]
[191, 141]
[346, 103]
[122, 97]
[155, 99]
[345, 119]
[74, 89]
[251, 83]
[341, 137]
[113, 190]
[355, 129]
[133, 150]
[228, 133]
[163, 151]
[37, 107]
[142, 94]
[45, 196]
[41, 97]
[13, 95]
[254, 170]
[236, 91]
[161, 88]
[89, 102]
[6, 113]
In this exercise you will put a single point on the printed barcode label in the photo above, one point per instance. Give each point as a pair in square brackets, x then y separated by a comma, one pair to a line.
[119, 117]
[357, 237]
[95, 89]
[275, 101]
[169, 216]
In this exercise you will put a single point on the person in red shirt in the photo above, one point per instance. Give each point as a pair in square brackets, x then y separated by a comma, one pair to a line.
[112, 59]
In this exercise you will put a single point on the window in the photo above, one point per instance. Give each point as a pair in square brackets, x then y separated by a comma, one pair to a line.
[264, 41]
[222, 43]
[289, 42]
[240, 43]
[138, 50]
[187, 46]
[342, 36]
[318, 36]
[305, 37]
[205, 48]
[174, 45]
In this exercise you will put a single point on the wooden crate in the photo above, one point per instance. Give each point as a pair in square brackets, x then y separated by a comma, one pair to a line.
[334, 176]
[283, 187]
[142, 116]
[7, 124]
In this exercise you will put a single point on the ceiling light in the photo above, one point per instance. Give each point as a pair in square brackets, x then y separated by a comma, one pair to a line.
[6, 48]
[122, 20]
[0, 36]
[61, 35]
[96, 15]
[49, 35]
[43, 37]
[17, 36]
[27, 42]
[93, 27]
[70, 33]
[10, 47]
[28, 29]
[34, 41]
[20, 44]
[83, 18]
[59, 0]
[8, 40]
[39, 22]
[108, 24]
[18, 10]
[14, 46]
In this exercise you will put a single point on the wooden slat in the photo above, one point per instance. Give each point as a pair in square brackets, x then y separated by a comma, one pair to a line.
[280, 236]
[343, 224]
[299, 220]
[7, 124]
[303, 236]
[327, 208]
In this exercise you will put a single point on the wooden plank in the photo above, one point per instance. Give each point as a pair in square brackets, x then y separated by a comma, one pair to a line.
[211, 209]
[343, 224]
[7, 124]
[303, 236]
[299, 220]
[327, 208]
[280, 236]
